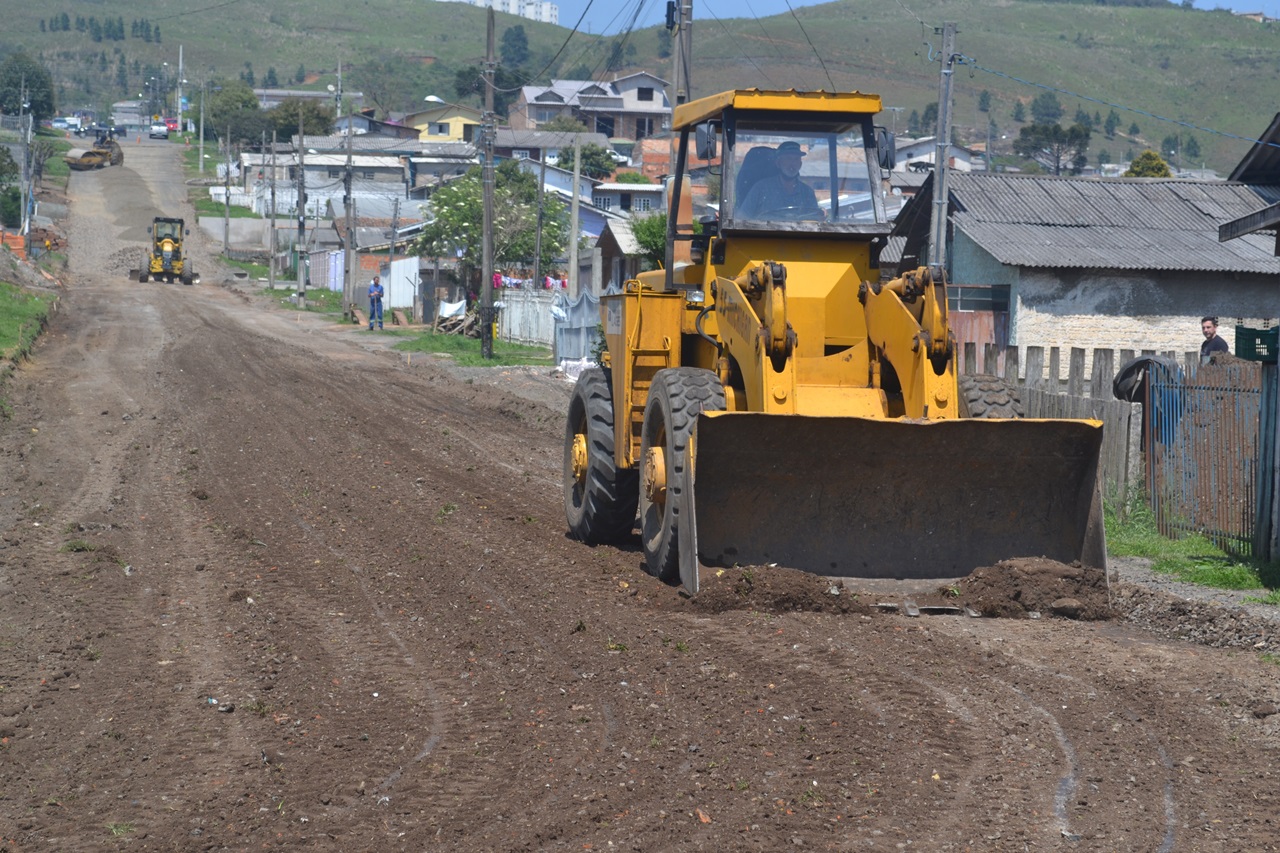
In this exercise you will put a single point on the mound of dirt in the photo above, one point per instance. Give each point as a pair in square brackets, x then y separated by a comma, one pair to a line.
[1018, 588]
[1011, 589]
[770, 589]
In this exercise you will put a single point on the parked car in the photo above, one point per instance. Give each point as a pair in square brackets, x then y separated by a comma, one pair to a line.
[171, 124]
[159, 131]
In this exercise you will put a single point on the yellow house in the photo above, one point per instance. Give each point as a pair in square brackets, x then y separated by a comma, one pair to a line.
[444, 122]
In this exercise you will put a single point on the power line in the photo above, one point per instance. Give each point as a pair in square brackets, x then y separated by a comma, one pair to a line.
[745, 55]
[553, 59]
[760, 24]
[815, 50]
[196, 11]
[966, 60]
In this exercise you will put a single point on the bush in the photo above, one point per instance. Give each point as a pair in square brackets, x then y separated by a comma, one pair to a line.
[11, 207]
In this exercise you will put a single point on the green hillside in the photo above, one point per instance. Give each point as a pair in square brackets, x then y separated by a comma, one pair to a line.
[1209, 69]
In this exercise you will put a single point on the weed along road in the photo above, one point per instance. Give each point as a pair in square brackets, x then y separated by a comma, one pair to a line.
[266, 586]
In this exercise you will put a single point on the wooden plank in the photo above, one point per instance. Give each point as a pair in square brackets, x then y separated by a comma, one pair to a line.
[1190, 362]
[970, 358]
[1053, 381]
[1075, 372]
[1126, 356]
[358, 317]
[1035, 367]
[398, 316]
[990, 359]
[1104, 372]
[1011, 365]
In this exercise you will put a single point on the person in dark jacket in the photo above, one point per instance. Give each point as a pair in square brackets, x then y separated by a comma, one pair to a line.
[1212, 343]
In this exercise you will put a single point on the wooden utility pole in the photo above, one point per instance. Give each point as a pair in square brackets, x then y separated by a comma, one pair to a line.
[942, 149]
[574, 222]
[680, 20]
[271, 263]
[302, 212]
[486, 262]
[537, 237]
[349, 244]
[204, 95]
[391, 250]
[226, 196]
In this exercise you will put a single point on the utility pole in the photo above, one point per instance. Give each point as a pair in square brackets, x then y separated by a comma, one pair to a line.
[181, 125]
[938, 236]
[391, 251]
[204, 96]
[486, 257]
[680, 23]
[537, 236]
[574, 217]
[226, 196]
[24, 185]
[349, 244]
[271, 263]
[302, 212]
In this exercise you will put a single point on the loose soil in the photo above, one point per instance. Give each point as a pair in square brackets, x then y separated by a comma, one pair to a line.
[267, 585]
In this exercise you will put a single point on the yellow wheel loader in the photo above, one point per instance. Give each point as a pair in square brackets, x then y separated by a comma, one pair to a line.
[766, 398]
[165, 260]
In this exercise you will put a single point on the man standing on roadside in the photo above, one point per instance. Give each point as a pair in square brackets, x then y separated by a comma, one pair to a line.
[1212, 343]
[375, 302]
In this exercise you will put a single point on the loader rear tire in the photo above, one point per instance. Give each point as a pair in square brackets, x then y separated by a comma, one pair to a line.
[600, 500]
[984, 396]
[676, 397]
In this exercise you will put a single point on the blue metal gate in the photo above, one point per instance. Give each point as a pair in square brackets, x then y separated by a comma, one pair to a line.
[1201, 442]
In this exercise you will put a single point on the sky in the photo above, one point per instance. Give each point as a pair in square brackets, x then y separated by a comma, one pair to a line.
[611, 16]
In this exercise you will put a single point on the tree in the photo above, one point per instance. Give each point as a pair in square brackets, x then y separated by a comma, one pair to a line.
[468, 82]
[1134, 130]
[929, 118]
[515, 47]
[651, 233]
[270, 81]
[8, 168]
[1083, 117]
[564, 123]
[1148, 164]
[317, 117]
[984, 101]
[1169, 145]
[1046, 109]
[913, 123]
[18, 70]
[1112, 122]
[457, 211]
[1191, 148]
[226, 101]
[631, 178]
[664, 42]
[11, 207]
[596, 162]
[1019, 112]
[1104, 157]
[1054, 146]
[300, 76]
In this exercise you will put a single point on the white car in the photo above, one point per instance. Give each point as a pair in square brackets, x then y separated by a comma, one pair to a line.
[159, 131]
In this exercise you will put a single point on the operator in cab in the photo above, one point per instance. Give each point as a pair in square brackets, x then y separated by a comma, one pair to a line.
[782, 195]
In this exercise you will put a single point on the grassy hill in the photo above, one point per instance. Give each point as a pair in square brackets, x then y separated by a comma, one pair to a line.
[1209, 69]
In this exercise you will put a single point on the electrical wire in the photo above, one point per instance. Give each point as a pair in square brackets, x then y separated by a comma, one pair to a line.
[815, 50]
[966, 60]
[745, 55]
[196, 11]
[760, 24]
[552, 60]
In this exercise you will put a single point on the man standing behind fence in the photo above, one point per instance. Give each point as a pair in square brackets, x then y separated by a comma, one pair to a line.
[375, 302]
[1212, 343]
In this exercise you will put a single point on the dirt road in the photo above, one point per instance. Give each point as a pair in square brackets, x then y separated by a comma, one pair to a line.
[265, 586]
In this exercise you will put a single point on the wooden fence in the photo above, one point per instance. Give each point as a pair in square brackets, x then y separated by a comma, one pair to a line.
[1047, 394]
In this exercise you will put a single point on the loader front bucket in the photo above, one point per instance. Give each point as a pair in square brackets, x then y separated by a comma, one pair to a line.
[866, 498]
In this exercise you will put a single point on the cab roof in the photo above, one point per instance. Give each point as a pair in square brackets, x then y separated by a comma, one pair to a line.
[818, 101]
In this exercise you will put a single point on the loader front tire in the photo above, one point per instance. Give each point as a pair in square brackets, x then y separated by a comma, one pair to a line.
[984, 396]
[676, 397]
[599, 497]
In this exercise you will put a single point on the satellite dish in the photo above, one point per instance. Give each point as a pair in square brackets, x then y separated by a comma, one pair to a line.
[330, 87]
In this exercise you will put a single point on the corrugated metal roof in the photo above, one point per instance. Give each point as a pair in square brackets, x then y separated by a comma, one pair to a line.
[1151, 224]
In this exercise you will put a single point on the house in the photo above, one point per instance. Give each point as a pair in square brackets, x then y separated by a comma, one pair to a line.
[445, 122]
[560, 181]
[1260, 170]
[364, 122]
[634, 106]
[437, 163]
[640, 199]
[1094, 262]
[917, 155]
[620, 254]
[512, 144]
[271, 98]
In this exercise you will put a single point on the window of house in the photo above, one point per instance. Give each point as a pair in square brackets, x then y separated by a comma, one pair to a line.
[625, 201]
[335, 173]
[440, 129]
[520, 154]
[542, 114]
[603, 202]
[368, 176]
[644, 93]
[978, 297]
[644, 127]
[644, 203]
[468, 132]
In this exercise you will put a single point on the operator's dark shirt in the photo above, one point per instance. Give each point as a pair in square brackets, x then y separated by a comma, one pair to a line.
[1212, 345]
[770, 196]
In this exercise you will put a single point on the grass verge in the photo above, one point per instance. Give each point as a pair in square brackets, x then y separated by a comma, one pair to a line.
[22, 313]
[466, 351]
[206, 206]
[1192, 559]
